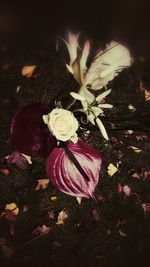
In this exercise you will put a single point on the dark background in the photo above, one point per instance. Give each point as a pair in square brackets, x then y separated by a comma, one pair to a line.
[32, 23]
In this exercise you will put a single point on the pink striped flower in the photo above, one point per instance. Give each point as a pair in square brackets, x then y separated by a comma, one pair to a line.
[74, 169]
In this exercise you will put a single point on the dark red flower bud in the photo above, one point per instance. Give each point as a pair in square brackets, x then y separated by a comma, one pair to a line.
[29, 134]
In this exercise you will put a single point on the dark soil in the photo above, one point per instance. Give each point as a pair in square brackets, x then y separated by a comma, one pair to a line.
[121, 236]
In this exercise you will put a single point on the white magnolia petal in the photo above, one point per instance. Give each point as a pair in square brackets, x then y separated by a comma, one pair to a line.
[107, 64]
[69, 68]
[105, 106]
[102, 128]
[103, 95]
[85, 105]
[85, 54]
[97, 85]
[86, 94]
[91, 118]
[89, 77]
[114, 52]
[98, 82]
[97, 111]
[72, 46]
[77, 96]
[77, 72]
[109, 70]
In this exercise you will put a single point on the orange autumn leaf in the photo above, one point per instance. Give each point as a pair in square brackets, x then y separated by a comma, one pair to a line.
[147, 95]
[42, 184]
[12, 209]
[28, 71]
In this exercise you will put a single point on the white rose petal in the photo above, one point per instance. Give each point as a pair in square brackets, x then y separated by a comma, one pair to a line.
[62, 124]
[45, 118]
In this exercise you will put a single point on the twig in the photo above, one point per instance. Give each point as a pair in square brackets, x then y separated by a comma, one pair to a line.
[30, 241]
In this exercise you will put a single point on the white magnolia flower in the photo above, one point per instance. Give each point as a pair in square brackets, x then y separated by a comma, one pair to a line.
[105, 67]
[93, 107]
[62, 124]
[107, 64]
[78, 57]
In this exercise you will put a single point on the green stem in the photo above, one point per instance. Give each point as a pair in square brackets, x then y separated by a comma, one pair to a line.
[71, 104]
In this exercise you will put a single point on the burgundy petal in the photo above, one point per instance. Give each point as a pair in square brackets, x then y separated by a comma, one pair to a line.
[65, 175]
[18, 159]
[29, 134]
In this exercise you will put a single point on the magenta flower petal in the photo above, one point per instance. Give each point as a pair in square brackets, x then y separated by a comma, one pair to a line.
[65, 174]
[29, 134]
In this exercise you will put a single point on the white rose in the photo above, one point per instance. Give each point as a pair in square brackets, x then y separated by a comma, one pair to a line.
[62, 124]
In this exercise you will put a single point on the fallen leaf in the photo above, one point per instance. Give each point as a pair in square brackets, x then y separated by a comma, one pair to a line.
[146, 207]
[79, 200]
[42, 184]
[96, 215]
[145, 174]
[131, 107]
[25, 209]
[141, 137]
[135, 149]
[7, 249]
[129, 132]
[12, 209]
[18, 159]
[18, 89]
[41, 230]
[62, 216]
[121, 233]
[54, 199]
[127, 190]
[51, 215]
[28, 158]
[28, 71]
[10, 214]
[4, 171]
[119, 188]
[136, 175]
[111, 169]
[147, 95]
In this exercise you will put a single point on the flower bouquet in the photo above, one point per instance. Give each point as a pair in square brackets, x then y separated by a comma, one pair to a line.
[72, 165]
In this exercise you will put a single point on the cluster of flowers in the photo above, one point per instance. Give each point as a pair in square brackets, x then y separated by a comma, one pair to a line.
[73, 166]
